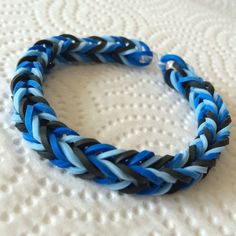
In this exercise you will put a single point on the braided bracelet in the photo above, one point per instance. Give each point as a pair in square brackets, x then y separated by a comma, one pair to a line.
[128, 171]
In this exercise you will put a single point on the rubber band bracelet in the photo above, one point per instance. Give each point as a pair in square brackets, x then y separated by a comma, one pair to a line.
[128, 171]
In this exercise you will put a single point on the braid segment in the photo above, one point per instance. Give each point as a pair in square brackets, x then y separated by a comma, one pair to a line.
[128, 171]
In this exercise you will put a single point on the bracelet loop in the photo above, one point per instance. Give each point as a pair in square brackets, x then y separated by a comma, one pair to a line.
[128, 171]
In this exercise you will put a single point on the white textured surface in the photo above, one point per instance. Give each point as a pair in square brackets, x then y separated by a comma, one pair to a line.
[126, 107]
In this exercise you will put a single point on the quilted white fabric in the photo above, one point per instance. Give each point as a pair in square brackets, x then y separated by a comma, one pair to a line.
[130, 108]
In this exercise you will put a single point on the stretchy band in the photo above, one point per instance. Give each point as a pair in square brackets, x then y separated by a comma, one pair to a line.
[128, 171]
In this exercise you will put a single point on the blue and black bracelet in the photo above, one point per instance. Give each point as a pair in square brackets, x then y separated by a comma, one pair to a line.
[128, 171]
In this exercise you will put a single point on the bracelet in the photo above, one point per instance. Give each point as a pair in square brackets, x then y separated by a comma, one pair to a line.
[128, 171]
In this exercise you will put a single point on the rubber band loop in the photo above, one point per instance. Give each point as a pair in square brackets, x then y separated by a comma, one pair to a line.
[127, 171]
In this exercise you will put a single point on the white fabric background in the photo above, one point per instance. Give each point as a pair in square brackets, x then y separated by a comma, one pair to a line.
[127, 107]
